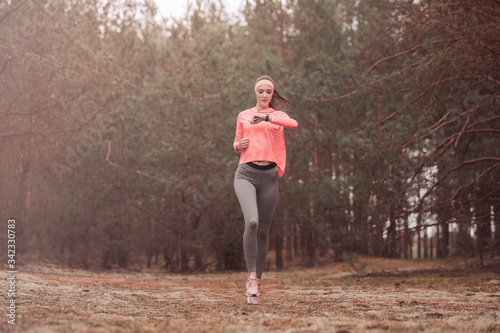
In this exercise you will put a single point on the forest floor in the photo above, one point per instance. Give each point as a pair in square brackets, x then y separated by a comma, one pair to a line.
[386, 296]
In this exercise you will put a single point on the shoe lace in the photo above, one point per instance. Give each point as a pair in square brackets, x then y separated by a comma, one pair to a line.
[252, 282]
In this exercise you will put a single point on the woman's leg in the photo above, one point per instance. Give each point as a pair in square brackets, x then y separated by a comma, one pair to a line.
[247, 197]
[267, 196]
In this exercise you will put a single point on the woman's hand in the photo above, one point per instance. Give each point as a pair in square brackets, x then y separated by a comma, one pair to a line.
[242, 144]
[257, 118]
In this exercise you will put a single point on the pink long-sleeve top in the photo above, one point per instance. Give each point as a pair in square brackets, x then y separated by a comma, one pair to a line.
[266, 140]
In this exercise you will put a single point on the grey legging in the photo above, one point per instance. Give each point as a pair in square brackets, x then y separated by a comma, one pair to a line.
[257, 192]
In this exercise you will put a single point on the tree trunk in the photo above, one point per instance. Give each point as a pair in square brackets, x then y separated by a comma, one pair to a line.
[419, 236]
[278, 242]
[438, 248]
[431, 248]
[391, 251]
[496, 217]
[426, 244]
[445, 239]
[483, 223]
[289, 241]
[407, 241]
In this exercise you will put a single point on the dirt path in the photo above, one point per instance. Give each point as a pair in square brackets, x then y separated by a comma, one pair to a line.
[390, 296]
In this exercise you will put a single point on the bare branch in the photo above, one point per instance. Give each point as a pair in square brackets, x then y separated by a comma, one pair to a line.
[324, 100]
[392, 115]
[470, 183]
[37, 133]
[463, 164]
[46, 107]
[392, 57]
[487, 196]
[5, 15]
[462, 131]
[52, 63]
[489, 47]
[139, 172]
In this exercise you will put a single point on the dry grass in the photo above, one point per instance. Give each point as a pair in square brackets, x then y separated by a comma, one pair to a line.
[390, 296]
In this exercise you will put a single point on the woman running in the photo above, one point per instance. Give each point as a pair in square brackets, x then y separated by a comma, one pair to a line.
[260, 138]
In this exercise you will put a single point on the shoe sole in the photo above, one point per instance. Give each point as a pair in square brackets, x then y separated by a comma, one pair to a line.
[252, 295]
[254, 300]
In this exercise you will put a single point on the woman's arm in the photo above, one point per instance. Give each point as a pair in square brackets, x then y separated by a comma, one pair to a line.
[239, 135]
[279, 118]
[282, 119]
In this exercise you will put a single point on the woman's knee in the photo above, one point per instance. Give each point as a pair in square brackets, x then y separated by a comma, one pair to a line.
[252, 224]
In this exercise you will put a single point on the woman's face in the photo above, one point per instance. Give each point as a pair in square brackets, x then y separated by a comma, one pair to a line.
[264, 94]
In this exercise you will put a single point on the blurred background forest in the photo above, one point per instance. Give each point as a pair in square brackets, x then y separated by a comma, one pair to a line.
[116, 129]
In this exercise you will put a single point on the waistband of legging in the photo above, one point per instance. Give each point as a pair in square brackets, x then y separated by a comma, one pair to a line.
[262, 167]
